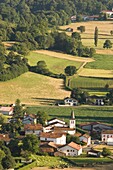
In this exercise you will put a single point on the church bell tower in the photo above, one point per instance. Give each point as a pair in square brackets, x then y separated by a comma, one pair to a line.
[72, 120]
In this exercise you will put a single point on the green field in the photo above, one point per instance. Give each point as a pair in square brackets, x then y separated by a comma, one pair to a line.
[56, 65]
[101, 62]
[83, 114]
[84, 82]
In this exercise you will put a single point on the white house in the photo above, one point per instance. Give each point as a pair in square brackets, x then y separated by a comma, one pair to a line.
[6, 110]
[57, 138]
[33, 129]
[70, 101]
[107, 137]
[71, 149]
[85, 138]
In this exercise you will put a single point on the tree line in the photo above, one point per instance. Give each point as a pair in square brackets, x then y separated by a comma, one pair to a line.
[11, 64]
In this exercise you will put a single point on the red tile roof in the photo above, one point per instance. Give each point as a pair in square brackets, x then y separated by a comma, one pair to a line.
[33, 127]
[51, 135]
[107, 132]
[74, 145]
[6, 109]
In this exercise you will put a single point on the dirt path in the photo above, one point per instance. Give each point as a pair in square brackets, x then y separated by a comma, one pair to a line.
[64, 56]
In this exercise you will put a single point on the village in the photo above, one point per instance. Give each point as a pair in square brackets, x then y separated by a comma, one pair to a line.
[58, 138]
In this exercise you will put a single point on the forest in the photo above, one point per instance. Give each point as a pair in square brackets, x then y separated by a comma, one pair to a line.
[33, 24]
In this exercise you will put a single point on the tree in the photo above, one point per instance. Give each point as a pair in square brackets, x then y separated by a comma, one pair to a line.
[81, 29]
[96, 36]
[92, 52]
[42, 117]
[76, 35]
[107, 44]
[18, 108]
[109, 96]
[79, 95]
[31, 143]
[7, 161]
[111, 32]
[106, 152]
[70, 70]
[70, 138]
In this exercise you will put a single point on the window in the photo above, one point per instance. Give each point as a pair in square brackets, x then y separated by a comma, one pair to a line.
[73, 150]
[67, 150]
[107, 136]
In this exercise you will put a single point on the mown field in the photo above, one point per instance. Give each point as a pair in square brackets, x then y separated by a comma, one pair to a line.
[82, 114]
[54, 64]
[104, 28]
[32, 88]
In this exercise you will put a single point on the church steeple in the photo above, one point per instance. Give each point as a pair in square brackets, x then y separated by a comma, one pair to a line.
[72, 114]
[72, 120]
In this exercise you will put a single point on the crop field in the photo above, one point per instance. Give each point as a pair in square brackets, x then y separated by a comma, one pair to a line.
[85, 82]
[82, 114]
[32, 88]
[56, 65]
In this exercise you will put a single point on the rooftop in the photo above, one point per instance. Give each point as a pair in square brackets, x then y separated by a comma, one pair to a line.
[107, 132]
[51, 135]
[74, 145]
[6, 109]
[33, 127]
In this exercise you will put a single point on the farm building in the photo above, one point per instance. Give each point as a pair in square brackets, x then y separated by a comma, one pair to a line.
[6, 110]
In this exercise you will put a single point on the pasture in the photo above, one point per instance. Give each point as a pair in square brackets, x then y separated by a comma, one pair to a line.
[83, 114]
[32, 89]
[55, 64]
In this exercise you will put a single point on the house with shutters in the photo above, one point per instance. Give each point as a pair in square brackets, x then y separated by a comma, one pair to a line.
[71, 149]
[107, 137]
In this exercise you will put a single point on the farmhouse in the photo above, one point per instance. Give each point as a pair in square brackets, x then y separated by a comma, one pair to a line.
[6, 110]
[57, 138]
[70, 101]
[96, 100]
[71, 149]
[107, 137]
[107, 12]
[33, 129]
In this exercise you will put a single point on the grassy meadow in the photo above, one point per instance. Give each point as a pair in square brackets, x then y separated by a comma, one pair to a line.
[56, 65]
[83, 114]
